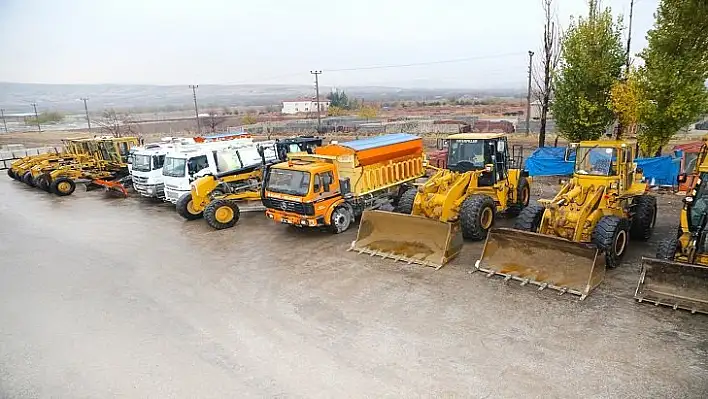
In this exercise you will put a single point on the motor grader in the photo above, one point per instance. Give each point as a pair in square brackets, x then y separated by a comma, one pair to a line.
[566, 242]
[678, 276]
[480, 180]
[219, 198]
[21, 169]
[105, 167]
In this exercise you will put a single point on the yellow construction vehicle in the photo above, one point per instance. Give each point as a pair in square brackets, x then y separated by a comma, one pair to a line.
[106, 166]
[20, 169]
[481, 178]
[566, 242]
[331, 188]
[220, 198]
[678, 276]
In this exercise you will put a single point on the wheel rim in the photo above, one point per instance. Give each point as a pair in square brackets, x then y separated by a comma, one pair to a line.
[620, 242]
[190, 208]
[224, 214]
[340, 219]
[486, 218]
[64, 187]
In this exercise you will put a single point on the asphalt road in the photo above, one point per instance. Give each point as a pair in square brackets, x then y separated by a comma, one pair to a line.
[105, 297]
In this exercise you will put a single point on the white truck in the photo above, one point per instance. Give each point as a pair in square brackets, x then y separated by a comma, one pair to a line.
[146, 166]
[185, 164]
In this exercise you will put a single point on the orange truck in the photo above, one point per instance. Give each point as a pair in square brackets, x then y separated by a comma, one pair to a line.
[334, 186]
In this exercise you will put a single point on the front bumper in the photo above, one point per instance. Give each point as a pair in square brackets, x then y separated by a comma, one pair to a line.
[174, 194]
[150, 190]
[295, 219]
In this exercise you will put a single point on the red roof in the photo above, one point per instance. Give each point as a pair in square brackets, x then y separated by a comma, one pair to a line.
[694, 146]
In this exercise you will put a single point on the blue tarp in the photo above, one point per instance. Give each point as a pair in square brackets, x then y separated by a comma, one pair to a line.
[549, 161]
[661, 171]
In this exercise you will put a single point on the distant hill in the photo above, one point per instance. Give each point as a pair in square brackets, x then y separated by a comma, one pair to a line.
[16, 97]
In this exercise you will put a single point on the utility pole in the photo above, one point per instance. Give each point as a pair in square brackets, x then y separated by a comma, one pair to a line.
[2, 113]
[317, 90]
[196, 108]
[528, 96]
[36, 117]
[629, 32]
[88, 120]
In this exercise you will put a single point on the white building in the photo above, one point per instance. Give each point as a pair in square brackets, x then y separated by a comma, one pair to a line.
[304, 105]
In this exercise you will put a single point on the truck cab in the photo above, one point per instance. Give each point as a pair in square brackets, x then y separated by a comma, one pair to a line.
[184, 166]
[303, 191]
[146, 169]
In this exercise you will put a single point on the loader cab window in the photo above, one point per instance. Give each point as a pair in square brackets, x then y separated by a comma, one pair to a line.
[466, 155]
[596, 161]
[698, 207]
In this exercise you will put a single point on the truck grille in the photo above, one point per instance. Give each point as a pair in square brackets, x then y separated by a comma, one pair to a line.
[140, 180]
[289, 206]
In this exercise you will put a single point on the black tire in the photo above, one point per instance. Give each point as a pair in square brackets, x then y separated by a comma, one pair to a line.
[644, 217]
[668, 247]
[11, 173]
[62, 186]
[474, 216]
[183, 208]
[340, 220]
[523, 197]
[42, 182]
[611, 235]
[27, 179]
[222, 214]
[405, 202]
[530, 218]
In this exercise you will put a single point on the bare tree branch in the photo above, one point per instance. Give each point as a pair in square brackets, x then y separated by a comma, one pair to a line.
[550, 57]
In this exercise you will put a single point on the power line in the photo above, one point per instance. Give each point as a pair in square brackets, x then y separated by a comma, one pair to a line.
[421, 63]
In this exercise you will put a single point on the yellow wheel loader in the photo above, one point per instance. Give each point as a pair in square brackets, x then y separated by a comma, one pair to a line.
[566, 242]
[678, 276]
[481, 178]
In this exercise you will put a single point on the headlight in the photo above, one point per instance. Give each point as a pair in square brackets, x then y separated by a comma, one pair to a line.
[689, 199]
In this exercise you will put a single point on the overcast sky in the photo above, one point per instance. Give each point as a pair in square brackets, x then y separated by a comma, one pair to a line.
[280, 41]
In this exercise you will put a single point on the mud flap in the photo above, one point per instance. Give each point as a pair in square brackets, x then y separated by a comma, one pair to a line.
[411, 239]
[541, 260]
[675, 284]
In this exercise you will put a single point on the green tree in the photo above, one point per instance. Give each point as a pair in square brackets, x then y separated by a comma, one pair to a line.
[675, 71]
[627, 100]
[338, 99]
[248, 119]
[592, 56]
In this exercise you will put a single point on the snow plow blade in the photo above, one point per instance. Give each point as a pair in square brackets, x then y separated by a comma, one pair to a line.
[675, 284]
[407, 238]
[541, 260]
[112, 186]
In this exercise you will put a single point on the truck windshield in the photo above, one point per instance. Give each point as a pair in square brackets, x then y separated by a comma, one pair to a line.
[286, 181]
[141, 163]
[470, 152]
[174, 167]
[596, 161]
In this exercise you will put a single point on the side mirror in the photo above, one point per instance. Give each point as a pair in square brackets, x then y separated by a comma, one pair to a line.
[326, 186]
[682, 178]
[501, 146]
[316, 187]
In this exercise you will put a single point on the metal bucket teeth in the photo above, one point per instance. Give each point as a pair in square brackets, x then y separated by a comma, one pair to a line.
[674, 284]
[542, 261]
[407, 238]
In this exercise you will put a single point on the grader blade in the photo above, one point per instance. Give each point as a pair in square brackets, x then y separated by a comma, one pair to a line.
[411, 239]
[543, 261]
[675, 284]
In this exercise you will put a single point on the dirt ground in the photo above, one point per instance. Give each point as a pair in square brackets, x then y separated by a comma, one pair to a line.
[105, 297]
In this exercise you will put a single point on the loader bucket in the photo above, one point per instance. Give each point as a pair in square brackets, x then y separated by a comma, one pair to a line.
[541, 260]
[408, 238]
[676, 284]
